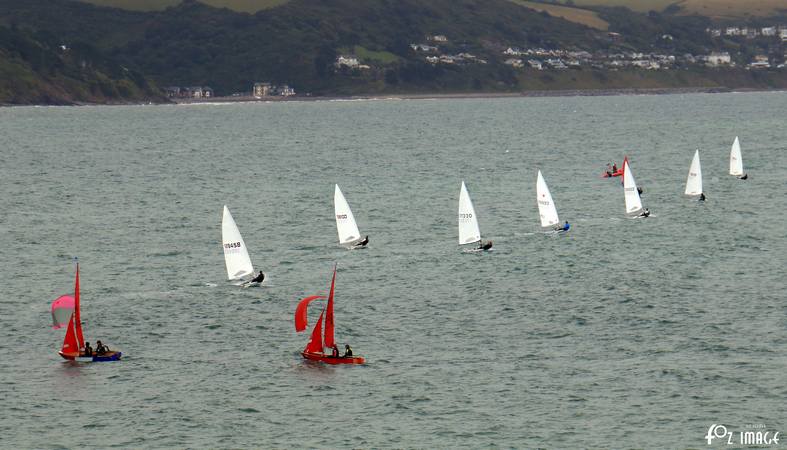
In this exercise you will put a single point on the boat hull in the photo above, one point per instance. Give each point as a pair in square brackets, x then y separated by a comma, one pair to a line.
[111, 356]
[327, 359]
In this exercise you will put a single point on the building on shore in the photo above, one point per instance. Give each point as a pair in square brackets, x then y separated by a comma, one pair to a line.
[188, 92]
[260, 90]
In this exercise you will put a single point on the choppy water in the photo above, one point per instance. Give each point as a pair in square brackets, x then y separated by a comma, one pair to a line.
[623, 333]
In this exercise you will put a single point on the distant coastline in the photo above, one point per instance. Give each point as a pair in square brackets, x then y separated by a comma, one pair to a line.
[470, 95]
[426, 96]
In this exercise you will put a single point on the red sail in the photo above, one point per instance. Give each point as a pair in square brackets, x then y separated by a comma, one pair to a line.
[77, 318]
[329, 340]
[301, 320]
[70, 344]
[315, 342]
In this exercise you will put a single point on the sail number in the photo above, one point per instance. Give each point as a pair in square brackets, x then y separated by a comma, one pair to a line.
[233, 245]
[341, 216]
[543, 202]
[465, 216]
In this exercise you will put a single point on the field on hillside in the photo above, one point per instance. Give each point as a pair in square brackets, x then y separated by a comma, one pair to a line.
[709, 8]
[733, 8]
[249, 6]
[583, 16]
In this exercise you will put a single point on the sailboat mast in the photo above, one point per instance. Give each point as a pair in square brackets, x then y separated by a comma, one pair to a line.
[329, 325]
[77, 317]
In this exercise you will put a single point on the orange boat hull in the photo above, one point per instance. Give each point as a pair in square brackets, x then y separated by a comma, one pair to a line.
[327, 359]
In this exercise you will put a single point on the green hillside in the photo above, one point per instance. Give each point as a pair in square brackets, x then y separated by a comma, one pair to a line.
[249, 6]
[709, 8]
[391, 43]
[36, 68]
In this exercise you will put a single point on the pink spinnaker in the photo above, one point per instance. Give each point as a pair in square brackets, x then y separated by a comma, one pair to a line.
[62, 308]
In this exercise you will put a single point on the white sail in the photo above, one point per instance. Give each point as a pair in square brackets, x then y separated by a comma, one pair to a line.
[546, 206]
[694, 180]
[236, 256]
[633, 202]
[345, 221]
[468, 222]
[736, 162]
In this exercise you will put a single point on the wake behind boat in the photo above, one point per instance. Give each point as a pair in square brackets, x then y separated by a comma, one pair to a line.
[319, 340]
[236, 254]
[469, 233]
[74, 347]
[349, 235]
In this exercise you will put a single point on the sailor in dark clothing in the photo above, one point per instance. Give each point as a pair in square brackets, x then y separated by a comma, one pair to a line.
[639, 190]
[645, 213]
[484, 246]
[101, 349]
[363, 242]
[257, 279]
[702, 197]
[335, 352]
[348, 352]
[88, 349]
[745, 176]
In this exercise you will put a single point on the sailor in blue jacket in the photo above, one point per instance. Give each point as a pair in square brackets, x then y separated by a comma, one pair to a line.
[565, 227]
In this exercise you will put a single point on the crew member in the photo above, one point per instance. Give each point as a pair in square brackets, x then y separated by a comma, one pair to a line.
[101, 349]
[348, 352]
[257, 279]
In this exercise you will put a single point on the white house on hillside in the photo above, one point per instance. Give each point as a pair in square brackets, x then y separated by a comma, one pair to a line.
[719, 59]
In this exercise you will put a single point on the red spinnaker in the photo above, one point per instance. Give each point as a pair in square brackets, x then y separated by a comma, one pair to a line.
[329, 340]
[301, 319]
[315, 341]
[77, 318]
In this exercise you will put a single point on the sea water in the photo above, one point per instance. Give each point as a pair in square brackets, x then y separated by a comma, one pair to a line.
[620, 333]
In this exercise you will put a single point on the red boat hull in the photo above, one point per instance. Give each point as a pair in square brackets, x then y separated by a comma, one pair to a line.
[327, 359]
[619, 173]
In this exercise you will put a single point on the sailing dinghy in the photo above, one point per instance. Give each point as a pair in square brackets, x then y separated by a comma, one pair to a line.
[349, 236]
[736, 162]
[236, 255]
[469, 233]
[631, 195]
[320, 339]
[694, 180]
[546, 206]
[73, 348]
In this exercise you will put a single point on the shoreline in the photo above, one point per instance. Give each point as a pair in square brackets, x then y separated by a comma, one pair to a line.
[426, 96]
[481, 95]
